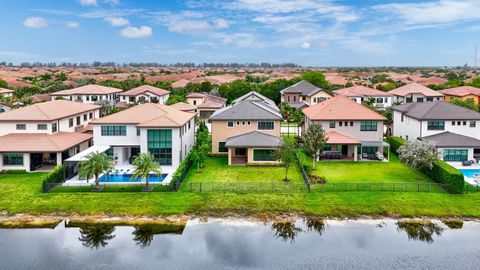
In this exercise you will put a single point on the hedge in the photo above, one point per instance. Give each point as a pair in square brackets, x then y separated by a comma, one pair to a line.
[305, 161]
[186, 163]
[14, 172]
[57, 175]
[395, 143]
[443, 173]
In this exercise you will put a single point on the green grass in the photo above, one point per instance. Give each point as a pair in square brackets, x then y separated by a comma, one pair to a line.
[291, 124]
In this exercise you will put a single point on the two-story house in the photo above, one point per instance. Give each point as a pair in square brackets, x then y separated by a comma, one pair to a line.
[167, 133]
[303, 94]
[247, 131]
[206, 104]
[144, 94]
[380, 99]
[454, 129]
[464, 93]
[352, 130]
[414, 92]
[88, 94]
[43, 135]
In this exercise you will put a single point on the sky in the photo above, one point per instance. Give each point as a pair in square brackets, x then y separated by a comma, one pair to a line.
[304, 32]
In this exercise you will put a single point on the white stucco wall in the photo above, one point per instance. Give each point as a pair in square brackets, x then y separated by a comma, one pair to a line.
[352, 131]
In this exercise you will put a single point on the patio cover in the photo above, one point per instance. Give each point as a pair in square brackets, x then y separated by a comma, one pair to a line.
[375, 143]
[334, 137]
[253, 139]
[82, 156]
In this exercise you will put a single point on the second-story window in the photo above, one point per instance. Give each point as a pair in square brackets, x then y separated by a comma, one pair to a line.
[21, 126]
[54, 127]
[114, 131]
[70, 122]
[230, 124]
[436, 125]
[473, 124]
[332, 124]
[42, 126]
[368, 126]
[266, 125]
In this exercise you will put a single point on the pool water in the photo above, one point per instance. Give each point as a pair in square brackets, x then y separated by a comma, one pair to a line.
[127, 178]
[469, 172]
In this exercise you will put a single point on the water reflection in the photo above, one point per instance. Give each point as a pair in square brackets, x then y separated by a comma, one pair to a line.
[286, 230]
[96, 235]
[315, 224]
[420, 230]
[144, 233]
[453, 223]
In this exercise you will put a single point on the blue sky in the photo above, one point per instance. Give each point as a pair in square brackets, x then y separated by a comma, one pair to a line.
[306, 32]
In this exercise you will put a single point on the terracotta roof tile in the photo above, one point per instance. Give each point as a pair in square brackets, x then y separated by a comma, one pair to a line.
[144, 89]
[47, 111]
[334, 137]
[91, 89]
[415, 88]
[41, 142]
[461, 91]
[361, 91]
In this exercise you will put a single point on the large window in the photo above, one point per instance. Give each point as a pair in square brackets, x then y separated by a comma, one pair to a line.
[455, 154]
[114, 131]
[367, 149]
[160, 145]
[222, 148]
[42, 126]
[70, 122]
[265, 125]
[12, 159]
[368, 126]
[263, 155]
[21, 127]
[54, 127]
[436, 125]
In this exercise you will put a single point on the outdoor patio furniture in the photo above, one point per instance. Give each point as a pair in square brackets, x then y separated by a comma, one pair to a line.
[379, 156]
[332, 155]
[467, 162]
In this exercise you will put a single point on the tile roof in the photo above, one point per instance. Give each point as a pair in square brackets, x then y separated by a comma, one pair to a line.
[334, 137]
[341, 108]
[91, 89]
[145, 89]
[303, 87]
[461, 91]
[450, 139]
[254, 139]
[248, 110]
[255, 96]
[5, 91]
[41, 142]
[361, 91]
[436, 110]
[412, 88]
[181, 83]
[209, 101]
[183, 106]
[148, 115]
[47, 111]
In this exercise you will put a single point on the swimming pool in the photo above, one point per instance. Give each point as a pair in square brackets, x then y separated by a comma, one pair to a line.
[126, 178]
[469, 172]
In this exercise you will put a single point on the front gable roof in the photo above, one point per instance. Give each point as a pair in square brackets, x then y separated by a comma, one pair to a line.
[437, 110]
[303, 87]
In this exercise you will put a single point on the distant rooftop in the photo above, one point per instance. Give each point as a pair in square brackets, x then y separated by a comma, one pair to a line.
[413, 88]
[145, 89]
[361, 91]
[91, 89]
[461, 91]
[436, 110]
[303, 87]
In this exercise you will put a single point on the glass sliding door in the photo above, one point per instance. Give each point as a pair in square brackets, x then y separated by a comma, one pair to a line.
[160, 145]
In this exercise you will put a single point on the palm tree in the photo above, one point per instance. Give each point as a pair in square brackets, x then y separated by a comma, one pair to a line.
[96, 235]
[96, 164]
[145, 165]
[143, 235]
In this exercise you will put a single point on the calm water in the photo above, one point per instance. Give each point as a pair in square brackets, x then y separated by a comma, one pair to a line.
[236, 244]
[127, 178]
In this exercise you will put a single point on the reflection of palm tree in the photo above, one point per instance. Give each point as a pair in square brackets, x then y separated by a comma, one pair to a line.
[96, 235]
[286, 230]
[315, 224]
[422, 231]
[143, 235]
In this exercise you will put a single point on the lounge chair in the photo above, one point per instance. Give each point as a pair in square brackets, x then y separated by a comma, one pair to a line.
[379, 156]
[467, 162]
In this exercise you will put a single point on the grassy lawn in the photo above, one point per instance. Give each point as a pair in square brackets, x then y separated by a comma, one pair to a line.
[21, 194]
[371, 172]
[291, 124]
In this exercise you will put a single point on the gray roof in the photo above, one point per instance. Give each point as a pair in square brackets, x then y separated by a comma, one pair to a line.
[248, 110]
[436, 110]
[254, 139]
[298, 105]
[303, 87]
[254, 96]
[449, 139]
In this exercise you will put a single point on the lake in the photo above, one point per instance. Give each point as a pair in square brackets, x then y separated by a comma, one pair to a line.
[243, 244]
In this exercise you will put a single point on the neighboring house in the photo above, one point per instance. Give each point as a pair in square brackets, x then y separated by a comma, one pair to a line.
[41, 98]
[463, 92]
[184, 107]
[352, 130]
[360, 94]
[247, 131]
[414, 92]
[144, 94]
[88, 94]
[4, 108]
[180, 83]
[303, 94]
[6, 92]
[440, 122]
[206, 104]
[43, 135]
[167, 133]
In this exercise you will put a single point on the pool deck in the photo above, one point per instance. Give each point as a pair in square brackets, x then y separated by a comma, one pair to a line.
[469, 180]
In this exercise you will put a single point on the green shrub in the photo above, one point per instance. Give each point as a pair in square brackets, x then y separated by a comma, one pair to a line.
[57, 175]
[186, 162]
[305, 161]
[14, 171]
[445, 174]
[395, 143]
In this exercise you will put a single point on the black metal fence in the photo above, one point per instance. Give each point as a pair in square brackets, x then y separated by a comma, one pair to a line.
[306, 180]
[108, 187]
[247, 187]
[379, 187]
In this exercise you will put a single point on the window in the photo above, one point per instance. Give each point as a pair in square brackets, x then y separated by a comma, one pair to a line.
[453, 123]
[419, 99]
[346, 123]
[458, 123]
[91, 115]
[464, 123]
[367, 149]
[94, 98]
[85, 117]
[54, 127]
[263, 155]
[12, 159]
[78, 120]
[351, 123]
[70, 122]
[42, 126]
[380, 100]
[265, 125]
[436, 125]
[238, 123]
[248, 123]
[230, 124]
[455, 154]
[429, 98]
[194, 102]
[21, 127]
[138, 132]
[409, 100]
[243, 123]
[189, 124]
[332, 124]
[160, 145]
[368, 126]
[340, 123]
[401, 117]
[473, 124]
[114, 131]
[222, 148]
[88, 98]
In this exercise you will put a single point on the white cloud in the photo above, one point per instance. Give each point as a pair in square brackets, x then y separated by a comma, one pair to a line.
[117, 21]
[190, 22]
[88, 2]
[73, 25]
[112, 2]
[35, 22]
[136, 32]
[188, 26]
[221, 24]
[306, 45]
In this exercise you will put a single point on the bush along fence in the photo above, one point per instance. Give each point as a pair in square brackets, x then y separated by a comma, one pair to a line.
[451, 179]
[55, 178]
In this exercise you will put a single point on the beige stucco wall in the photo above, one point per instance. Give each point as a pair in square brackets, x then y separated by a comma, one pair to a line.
[310, 100]
[191, 101]
[220, 131]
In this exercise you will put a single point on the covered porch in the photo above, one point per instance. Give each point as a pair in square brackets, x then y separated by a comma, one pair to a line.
[252, 148]
[340, 147]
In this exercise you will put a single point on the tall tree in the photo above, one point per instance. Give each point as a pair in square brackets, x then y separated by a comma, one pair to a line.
[286, 154]
[96, 164]
[316, 78]
[314, 142]
[466, 103]
[145, 165]
[96, 235]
